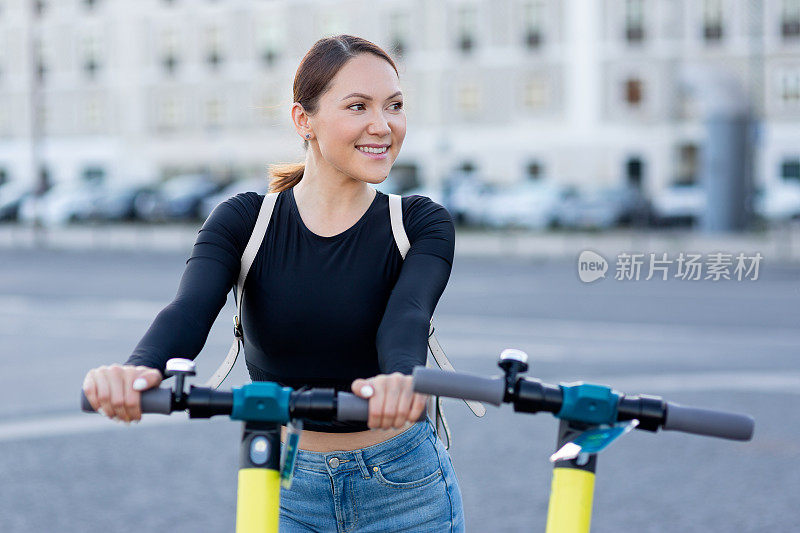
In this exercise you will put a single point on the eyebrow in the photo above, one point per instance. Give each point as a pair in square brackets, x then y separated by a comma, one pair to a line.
[367, 97]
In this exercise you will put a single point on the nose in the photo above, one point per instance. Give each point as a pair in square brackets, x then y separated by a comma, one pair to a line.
[379, 126]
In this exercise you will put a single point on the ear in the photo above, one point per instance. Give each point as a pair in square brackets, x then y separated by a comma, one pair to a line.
[301, 121]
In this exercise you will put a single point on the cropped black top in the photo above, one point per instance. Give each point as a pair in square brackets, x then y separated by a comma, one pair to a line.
[317, 311]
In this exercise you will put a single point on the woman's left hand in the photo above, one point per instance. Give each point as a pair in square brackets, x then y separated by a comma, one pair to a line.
[392, 400]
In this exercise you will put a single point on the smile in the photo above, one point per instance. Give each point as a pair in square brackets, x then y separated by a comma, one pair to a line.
[374, 153]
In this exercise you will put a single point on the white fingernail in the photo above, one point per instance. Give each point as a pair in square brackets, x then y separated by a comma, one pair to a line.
[367, 391]
[139, 384]
[101, 412]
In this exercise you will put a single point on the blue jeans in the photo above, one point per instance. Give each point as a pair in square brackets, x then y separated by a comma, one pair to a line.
[406, 483]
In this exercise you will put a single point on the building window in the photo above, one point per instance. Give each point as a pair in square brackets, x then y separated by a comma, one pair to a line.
[169, 114]
[790, 170]
[634, 91]
[94, 175]
[269, 106]
[43, 56]
[398, 33]
[533, 19]
[213, 47]
[270, 39]
[634, 172]
[5, 130]
[536, 94]
[790, 18]
[534, 171]
[169, 50]
[688, 164]
[790, 87]
[214, 113]
[712, 20]
[466, 28]
[91, 55]
[469, 98]
[634, 21]
[94, 114]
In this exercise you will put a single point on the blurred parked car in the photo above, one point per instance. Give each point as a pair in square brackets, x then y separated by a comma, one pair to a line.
[208, 204]
[778, 202]
[532, 205]
[12, 194]
[63, 203]
[466, 198]
[603, 208]
[176, 199]
[679, 204]
[118, 202]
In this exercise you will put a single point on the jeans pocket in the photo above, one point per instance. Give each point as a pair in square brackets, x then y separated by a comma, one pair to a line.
[416, 468]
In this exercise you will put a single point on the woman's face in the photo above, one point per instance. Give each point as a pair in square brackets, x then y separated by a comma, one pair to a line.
[363, 106]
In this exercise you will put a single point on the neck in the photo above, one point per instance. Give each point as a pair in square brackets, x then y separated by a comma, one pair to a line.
[328, 190]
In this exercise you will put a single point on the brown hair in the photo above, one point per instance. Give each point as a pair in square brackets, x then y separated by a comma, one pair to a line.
[317, 68]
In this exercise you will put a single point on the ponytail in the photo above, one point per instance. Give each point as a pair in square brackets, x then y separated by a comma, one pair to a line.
[284, 176]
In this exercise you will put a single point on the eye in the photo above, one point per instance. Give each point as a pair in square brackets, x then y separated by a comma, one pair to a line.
[352, 106]
[399, 105]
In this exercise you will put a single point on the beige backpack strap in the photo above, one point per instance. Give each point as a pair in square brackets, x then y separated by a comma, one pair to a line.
[398, 230]
[249, 255]
[435, 405]
[441, 359]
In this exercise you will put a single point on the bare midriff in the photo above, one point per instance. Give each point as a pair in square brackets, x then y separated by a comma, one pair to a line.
[319, 441]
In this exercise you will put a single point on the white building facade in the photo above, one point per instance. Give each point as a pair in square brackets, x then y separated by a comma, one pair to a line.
[583, 92]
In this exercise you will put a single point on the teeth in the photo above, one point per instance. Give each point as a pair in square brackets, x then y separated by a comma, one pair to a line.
[372, 150]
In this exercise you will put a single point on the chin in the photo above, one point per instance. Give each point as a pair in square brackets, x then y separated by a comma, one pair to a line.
[374, 181]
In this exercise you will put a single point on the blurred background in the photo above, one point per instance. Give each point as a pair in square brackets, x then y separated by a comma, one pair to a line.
[537, 114]
[545, 127]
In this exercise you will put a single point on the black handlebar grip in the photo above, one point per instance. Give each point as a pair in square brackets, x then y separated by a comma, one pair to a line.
[459, 385]
[708, 422]
[351, 407]
[157, 400]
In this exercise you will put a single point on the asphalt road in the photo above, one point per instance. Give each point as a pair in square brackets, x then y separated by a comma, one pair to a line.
[729, 345]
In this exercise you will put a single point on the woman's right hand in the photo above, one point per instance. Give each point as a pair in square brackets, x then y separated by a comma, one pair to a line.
[115, 390]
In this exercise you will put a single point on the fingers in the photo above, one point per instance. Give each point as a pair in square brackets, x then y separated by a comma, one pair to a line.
[116, 387]
[139, 379]
[90, 389]
[418, 406]
[391, 399]
[132, 398]
[150, 377]
[392, 403]
[103, 405]
[359, 390]
[405, 399]
[114, 390]
[376, 402]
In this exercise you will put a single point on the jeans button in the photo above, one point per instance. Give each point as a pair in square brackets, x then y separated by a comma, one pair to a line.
[333, 462]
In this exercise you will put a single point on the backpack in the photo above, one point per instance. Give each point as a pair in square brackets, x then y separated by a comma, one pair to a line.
[435, 408]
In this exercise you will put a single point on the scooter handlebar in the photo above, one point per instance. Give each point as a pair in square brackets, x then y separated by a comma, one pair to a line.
[459, 385]
[708, 422]
[158, 400]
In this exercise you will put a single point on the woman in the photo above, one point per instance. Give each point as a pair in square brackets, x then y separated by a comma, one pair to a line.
[329, 301]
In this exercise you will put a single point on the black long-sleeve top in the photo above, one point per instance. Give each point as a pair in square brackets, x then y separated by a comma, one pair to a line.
[317, 311]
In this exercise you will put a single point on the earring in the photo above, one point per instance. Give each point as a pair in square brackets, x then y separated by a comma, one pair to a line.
[308, 135]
